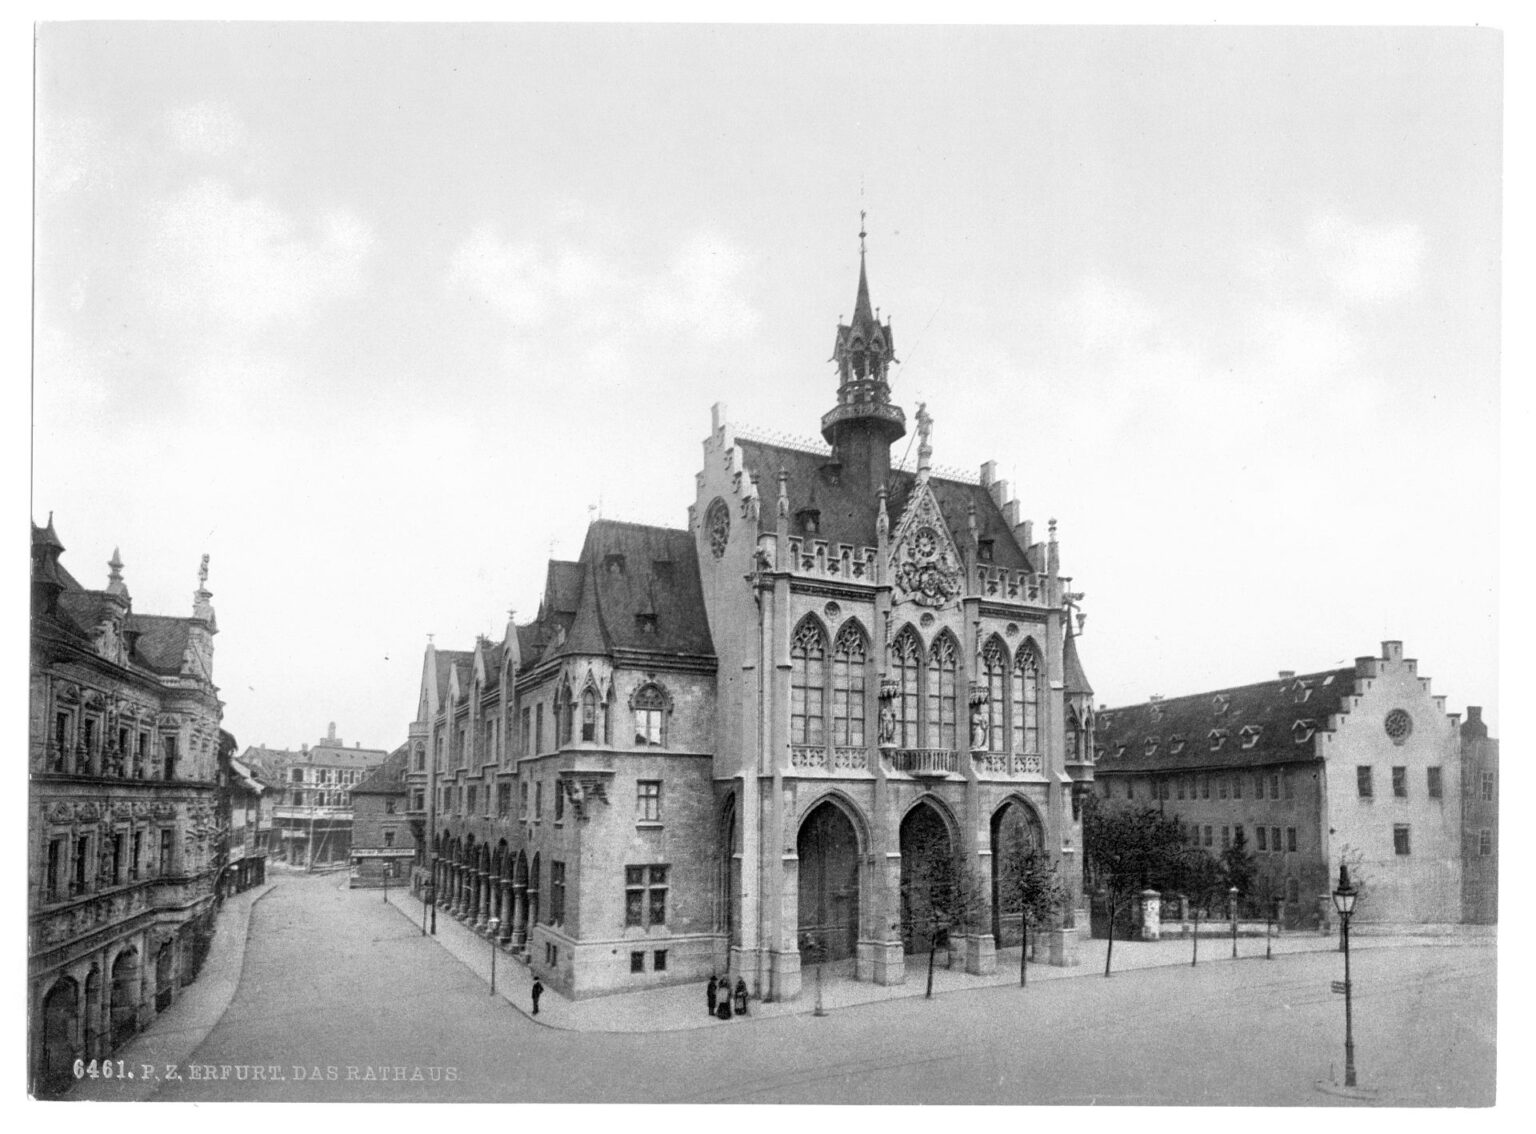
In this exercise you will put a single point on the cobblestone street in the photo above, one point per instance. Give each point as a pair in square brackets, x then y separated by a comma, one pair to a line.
[347, 1001]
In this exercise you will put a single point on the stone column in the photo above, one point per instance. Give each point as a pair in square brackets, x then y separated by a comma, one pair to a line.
[506, 911]
[519, 916]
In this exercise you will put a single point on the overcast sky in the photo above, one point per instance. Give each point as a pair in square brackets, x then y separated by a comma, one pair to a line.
[373, 314]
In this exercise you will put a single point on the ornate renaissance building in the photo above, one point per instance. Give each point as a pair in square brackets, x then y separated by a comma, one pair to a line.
[725, 748]
[125, 842]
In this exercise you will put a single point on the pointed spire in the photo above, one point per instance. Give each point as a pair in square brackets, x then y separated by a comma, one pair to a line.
[115, 584]
[863, 313]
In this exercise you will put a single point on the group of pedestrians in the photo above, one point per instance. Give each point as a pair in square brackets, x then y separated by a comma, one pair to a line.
[721, 996]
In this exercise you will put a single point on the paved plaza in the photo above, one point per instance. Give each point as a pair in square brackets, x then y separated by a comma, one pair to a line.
[337, 996]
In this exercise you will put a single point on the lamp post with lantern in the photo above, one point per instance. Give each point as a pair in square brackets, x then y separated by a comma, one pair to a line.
[495, 924]
[1344, 901]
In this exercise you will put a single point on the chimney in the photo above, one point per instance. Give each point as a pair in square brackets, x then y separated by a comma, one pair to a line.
[1287, 674]
[1154, 698]
[330, 733]
[1474, 728]
[988, 473]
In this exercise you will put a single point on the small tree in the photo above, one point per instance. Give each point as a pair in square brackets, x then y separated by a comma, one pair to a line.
[941, 894]
[1030, 885]
[1128, 850]
[1237, 864]
[1202, 878]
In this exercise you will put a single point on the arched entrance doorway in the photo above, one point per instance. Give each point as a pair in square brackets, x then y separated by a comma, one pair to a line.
[60, 1016]
[124, 1008]
[926, 858]
[1015, 828]
[828, 848]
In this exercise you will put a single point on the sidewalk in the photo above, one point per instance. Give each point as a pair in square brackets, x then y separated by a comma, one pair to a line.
[681, 1006]
[176, 1033]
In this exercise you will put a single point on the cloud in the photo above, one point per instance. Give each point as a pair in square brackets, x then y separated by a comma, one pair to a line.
[546, 284]
[206, 129]
[1364, 263]
[242, 264]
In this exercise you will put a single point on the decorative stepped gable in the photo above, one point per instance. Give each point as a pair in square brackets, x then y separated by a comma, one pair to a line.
[926, 566]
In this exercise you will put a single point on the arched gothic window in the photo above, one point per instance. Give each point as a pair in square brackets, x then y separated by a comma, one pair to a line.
[808, 684]
[848, 657]
[1024, 699]
[1074, 736]
[940, 693]
[907, 659]
[994, 664]
[589, 714]
[650, 706]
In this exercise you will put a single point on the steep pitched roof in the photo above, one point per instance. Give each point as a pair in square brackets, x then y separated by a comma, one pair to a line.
[848, 512]
[386, 779]
[1073, 677]
[162, 641]
[1286, 712]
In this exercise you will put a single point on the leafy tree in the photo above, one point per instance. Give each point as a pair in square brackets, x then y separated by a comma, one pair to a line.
[1237, 864]
[1129, 849]
[942, 894]
[1029, 884]
[1201, 878]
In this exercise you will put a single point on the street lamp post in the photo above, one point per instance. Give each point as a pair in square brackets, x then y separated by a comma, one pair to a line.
[1271, 915]
[491, 937]
[1232, 898]
[387, 868]
[1344, 901]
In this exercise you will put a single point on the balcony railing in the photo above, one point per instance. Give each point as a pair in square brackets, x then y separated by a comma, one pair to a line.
[925, 761]
[842, 758]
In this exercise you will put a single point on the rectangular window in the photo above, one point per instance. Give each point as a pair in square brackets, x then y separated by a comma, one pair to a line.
[1290, 838]
[115, 863]
[1208, 836]
[297, 775]
[1400, 838]
[170, 757]
[556, 893]
[551, 954]
[648, 801]
[1130, 789]
[1485, 842]
[1226, 837]
[522, 800]
[138, 854]
[389, 807]
[418, 800]
[1205, 787]
[1363, 781]
[167, 847]
[141, 760]
[1400, 782]
[524, 735]
[1274, 786]
[637, 961]
[503, 800]
[389, 838]
[1237, 787]
[1487, 787]
[1221, 787]
[55, 868]
[538, 801]
[659, 960]
[1179, 789]
[1263, 838]
[1432, 781]
[1258, 787]
[559, 802]
[648, 726]
[1274, 840]
[538, 728]
[82, 858]
[645, 895]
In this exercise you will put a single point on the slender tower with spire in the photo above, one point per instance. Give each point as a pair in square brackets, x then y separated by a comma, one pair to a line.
[863, 425]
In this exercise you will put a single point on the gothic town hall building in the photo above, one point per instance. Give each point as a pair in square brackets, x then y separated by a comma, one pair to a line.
[720, 748]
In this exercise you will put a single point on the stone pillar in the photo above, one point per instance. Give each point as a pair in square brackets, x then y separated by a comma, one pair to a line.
[1063, 946]
[784, 948]
[1151, 915]
[519, 916]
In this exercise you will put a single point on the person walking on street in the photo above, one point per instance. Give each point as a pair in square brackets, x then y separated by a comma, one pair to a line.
[710, 994]
[538, 991]
[741, 997]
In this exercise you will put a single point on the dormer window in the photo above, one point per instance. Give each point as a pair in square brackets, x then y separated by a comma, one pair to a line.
[1302, 730]
[1151, 746]
[1250, 735]
[1175, 744]
[1217, 737]
[613, 563]
[1220, 703]
[1302, 691]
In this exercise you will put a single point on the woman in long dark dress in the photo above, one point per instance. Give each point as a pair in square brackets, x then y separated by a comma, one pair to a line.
[723, 1012]
[709, 993]
[741, 997]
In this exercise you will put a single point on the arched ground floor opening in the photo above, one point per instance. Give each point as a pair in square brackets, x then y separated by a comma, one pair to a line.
[828, 849]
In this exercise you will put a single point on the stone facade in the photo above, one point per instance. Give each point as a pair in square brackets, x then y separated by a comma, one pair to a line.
[241, 797]
[125, 839]
[723, 749]
[383, 839]
[1360, 765]
[1479, 820]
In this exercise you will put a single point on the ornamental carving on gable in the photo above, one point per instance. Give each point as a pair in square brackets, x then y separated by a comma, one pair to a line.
[925, 569]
